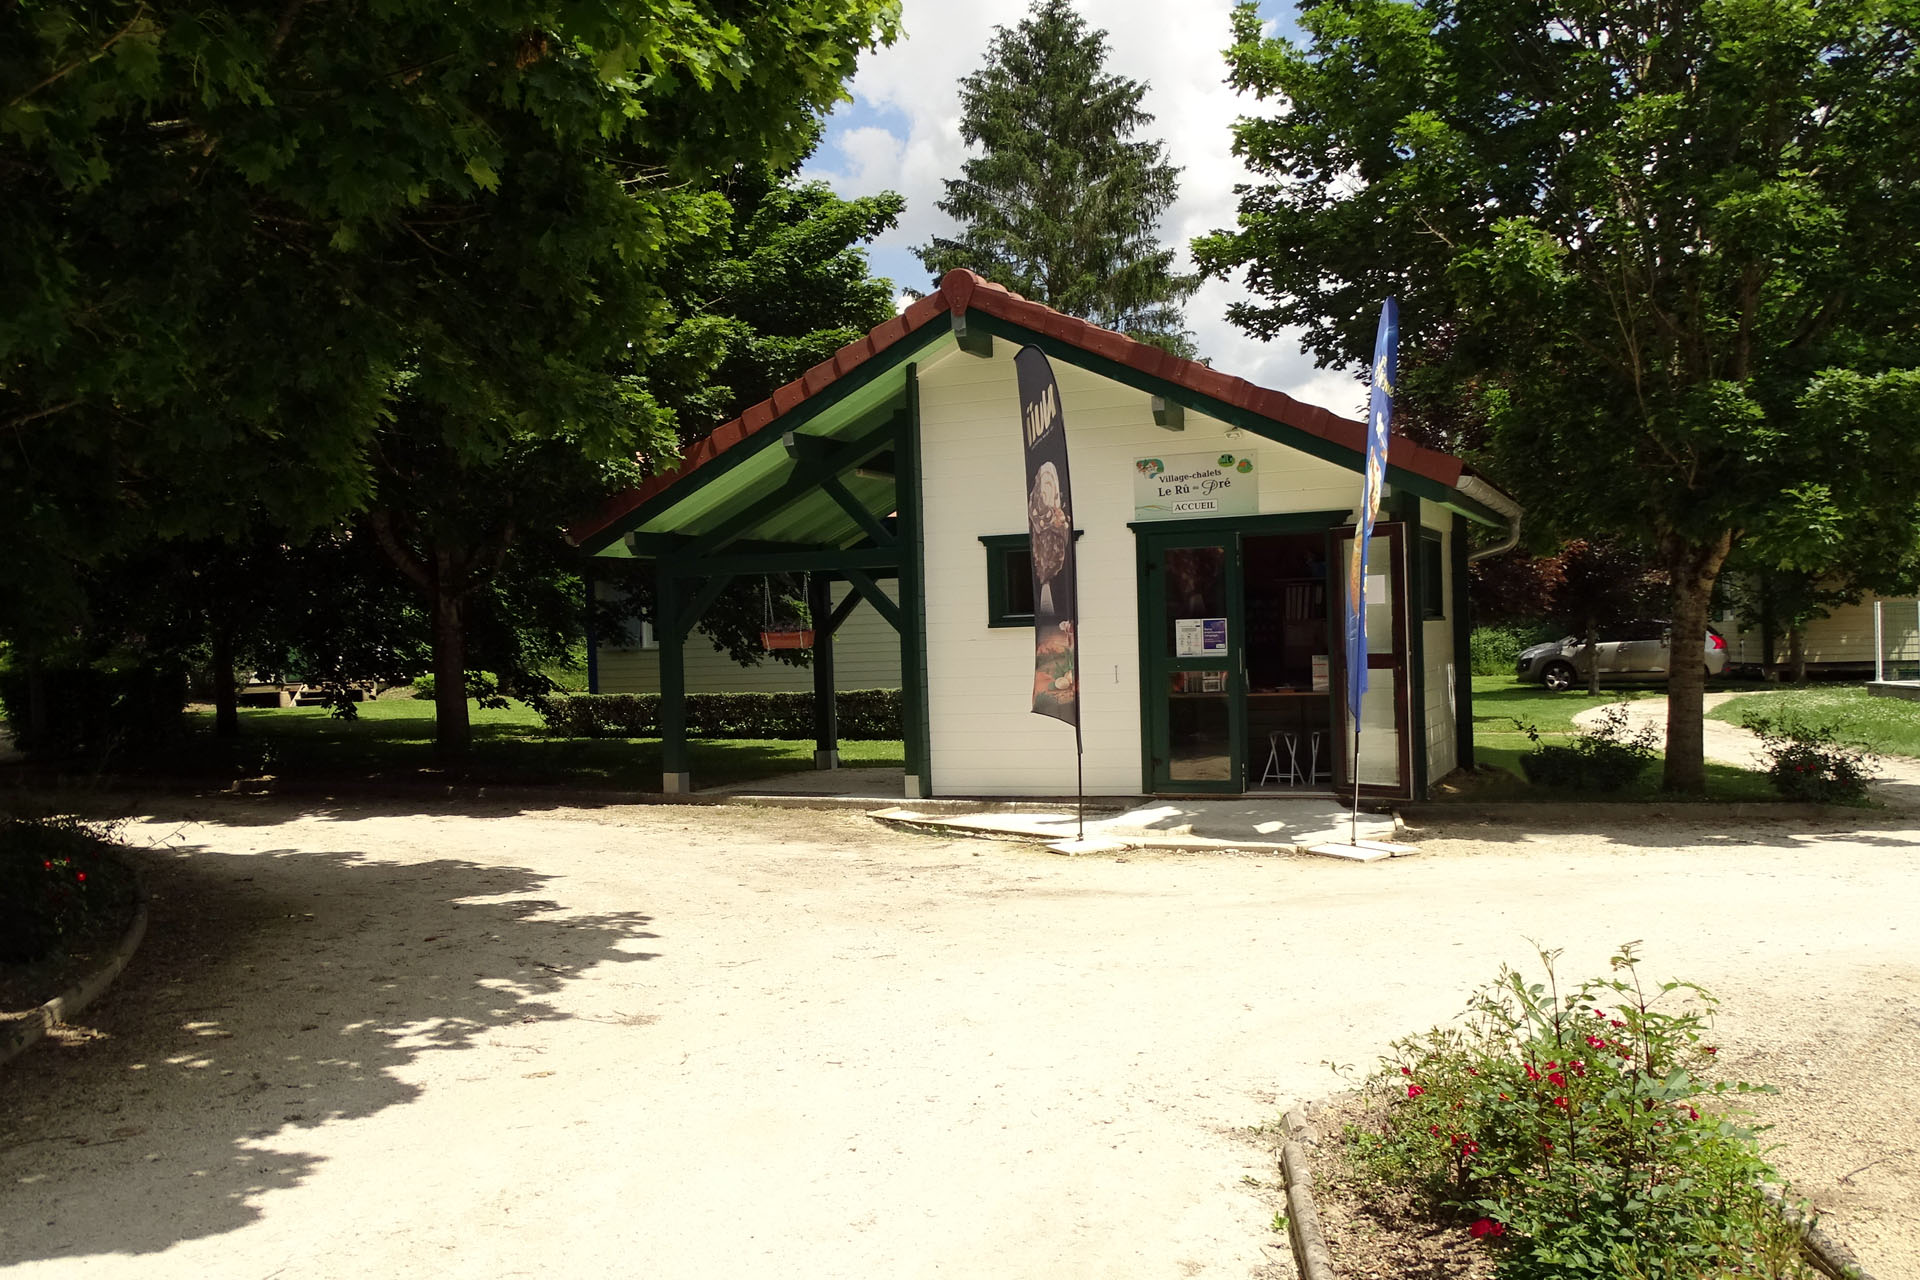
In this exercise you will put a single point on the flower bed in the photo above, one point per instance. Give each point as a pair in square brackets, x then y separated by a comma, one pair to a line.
[1549, 1134]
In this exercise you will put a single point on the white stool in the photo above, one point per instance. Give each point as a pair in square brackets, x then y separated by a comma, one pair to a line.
[1314, 771]
[1275, 771]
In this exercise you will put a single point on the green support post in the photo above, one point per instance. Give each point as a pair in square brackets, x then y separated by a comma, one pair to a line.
[826, 715]
[913, 605]
[676, 776]
[1462, 649]
[1407, 510]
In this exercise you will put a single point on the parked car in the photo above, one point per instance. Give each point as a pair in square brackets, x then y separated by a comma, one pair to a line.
[1636, 651]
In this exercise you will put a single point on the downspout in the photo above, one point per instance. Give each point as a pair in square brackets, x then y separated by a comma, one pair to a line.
[1487, 496]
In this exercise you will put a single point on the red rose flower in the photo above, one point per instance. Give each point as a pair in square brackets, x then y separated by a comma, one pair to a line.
[1486, 1227]
[1557, 1079]
[1414, 1091]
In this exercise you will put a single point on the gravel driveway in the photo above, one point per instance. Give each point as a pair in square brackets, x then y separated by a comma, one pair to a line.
[696, 1042]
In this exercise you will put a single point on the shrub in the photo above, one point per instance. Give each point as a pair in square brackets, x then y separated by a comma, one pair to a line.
[864, 715]
[1582, 1135]
[57, 880]
[1493, 650]
[1603, 758]
[423, 688]
[1811, 762]
[93, 711]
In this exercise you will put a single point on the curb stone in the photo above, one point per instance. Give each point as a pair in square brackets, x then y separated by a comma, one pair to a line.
[1827, 1256]
[17, 1035]
[1303, 1216]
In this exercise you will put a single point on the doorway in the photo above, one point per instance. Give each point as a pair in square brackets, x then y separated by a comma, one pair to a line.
[1242, 675]
[1289, 674]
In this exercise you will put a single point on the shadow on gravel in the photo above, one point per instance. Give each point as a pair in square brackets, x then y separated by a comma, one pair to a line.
[274, 993]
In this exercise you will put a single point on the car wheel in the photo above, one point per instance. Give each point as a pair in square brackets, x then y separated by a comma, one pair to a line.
[1558, 676]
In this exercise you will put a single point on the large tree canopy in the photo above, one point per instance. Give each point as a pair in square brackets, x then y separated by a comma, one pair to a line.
[239, 238]
[1060, 205]
[1667, 250]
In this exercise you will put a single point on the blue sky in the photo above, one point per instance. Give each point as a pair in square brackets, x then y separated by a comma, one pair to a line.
[901, 133]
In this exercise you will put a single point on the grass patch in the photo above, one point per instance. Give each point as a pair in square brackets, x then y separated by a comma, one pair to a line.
[1886, 726]
[392, 740]
[1497, 742]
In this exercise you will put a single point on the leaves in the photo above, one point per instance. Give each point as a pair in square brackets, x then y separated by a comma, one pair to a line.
[1058, 204]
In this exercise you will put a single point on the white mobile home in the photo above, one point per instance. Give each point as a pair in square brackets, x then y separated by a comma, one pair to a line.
[1209, 658]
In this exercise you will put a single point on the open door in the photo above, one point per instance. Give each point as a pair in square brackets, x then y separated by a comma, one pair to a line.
[1385, 761]
[1194, 672]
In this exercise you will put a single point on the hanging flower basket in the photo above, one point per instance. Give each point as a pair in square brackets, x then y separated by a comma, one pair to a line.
[786, 639]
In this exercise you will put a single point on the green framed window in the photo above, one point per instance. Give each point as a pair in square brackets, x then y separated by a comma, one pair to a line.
[1010, 578]
[1433, 599]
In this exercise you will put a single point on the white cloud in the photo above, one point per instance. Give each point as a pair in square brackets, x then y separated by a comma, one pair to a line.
[903, 134]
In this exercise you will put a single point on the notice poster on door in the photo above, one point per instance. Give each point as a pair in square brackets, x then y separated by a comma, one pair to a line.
[1185, 485]
[1199, 637]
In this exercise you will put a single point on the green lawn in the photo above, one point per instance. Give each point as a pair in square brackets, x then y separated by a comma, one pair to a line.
[392, 740]
[1889, 726]
[1500, 700]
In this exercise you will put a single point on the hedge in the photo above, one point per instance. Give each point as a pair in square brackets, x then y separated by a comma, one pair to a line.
[865, 715]
[92, 712]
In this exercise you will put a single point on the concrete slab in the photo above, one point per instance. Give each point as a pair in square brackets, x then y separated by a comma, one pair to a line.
[1280, 825]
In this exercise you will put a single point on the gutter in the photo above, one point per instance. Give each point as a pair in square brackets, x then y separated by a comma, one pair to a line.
[1486, 495]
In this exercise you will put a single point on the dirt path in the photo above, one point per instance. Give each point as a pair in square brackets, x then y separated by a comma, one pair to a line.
[695, 1042]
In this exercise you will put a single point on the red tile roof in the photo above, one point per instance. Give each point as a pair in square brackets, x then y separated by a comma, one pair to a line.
[961, 291]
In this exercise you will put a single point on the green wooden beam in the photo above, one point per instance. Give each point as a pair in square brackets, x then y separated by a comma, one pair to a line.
[870, 592]
[1406, 508]
[702, 601]
[971, 338]
[886, 363]
[675, 776]
[1462, 648]
[843, 609]
[812, 465]
[826, 711]
[816, 560]
[876, 531]
[911, 564]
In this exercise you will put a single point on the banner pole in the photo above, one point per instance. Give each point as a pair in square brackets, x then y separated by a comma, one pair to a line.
[1353, 826]
[1079, 785]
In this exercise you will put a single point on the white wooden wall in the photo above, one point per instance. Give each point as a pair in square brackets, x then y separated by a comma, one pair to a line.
[1846, 635]
[985, 738]
[866, 655]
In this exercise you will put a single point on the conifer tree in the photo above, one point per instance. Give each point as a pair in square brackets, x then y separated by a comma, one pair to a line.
[1060, 205]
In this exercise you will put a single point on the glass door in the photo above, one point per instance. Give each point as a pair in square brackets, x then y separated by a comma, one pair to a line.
[1191, 633]
[1384, 747]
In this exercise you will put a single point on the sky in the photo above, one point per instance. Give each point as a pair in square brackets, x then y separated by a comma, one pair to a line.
[901, 133]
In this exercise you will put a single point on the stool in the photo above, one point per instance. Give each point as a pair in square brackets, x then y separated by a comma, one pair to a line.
[1314, 771]
[1275, 771]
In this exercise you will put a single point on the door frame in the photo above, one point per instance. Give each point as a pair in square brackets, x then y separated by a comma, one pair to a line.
[1406, 684]
[1153, 536]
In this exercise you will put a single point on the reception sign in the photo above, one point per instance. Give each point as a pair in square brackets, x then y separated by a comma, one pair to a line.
[1186, 485]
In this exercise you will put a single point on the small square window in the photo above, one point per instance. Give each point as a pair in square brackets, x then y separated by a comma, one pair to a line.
[1010, 579]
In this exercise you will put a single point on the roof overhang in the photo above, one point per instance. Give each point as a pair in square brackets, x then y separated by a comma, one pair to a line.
[758, 479]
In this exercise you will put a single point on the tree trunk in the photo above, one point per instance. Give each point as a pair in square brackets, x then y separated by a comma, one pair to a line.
[452, 733]
[1797, 652]
[1593, 658]
[1693, 568]
[226, 693]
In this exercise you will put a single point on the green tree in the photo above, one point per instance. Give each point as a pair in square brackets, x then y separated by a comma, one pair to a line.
[1059, 205]
[1670, 248]
[242, 239]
